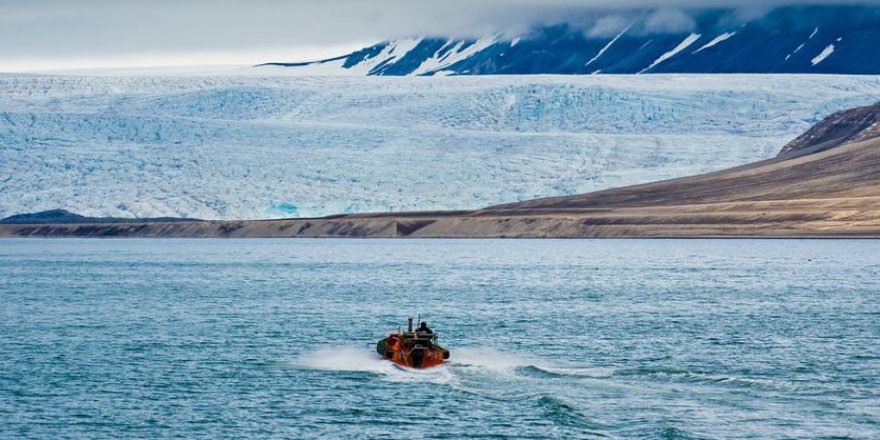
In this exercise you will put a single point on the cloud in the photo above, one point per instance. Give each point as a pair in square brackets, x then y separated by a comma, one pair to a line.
[668, 21]
[60, 31]
[609, 26]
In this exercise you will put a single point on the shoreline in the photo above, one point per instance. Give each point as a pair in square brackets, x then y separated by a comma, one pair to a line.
[814, 226]
[694, 237]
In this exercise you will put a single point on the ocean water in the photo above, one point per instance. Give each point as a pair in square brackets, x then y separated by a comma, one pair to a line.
[549, 339]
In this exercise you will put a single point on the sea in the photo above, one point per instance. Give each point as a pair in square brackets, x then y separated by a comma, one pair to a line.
[275, 338]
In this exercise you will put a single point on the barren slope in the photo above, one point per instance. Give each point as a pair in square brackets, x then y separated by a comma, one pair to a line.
[848, 171]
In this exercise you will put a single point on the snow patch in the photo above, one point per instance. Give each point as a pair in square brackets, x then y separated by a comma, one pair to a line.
[718, 39]
[610, 43]
[681, 46]
[325, 68]
[395, 50]
[798, 49]
[453, 56]
[822, 56]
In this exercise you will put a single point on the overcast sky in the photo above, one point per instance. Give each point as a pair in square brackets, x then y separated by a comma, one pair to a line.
[65, 34]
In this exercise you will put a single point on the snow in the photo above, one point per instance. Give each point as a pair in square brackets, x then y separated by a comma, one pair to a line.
[798, 49]
[260, 147]
[393, 51]
[456, 54]
[326, 68]
[801, 46]
[681, 46]
[402, 47]
[723, 37]
[822, 56]
[605, 48]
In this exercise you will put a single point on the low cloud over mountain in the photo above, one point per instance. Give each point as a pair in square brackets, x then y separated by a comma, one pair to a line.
[115, 32]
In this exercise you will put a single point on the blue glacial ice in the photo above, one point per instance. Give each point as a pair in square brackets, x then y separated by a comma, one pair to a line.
[235, 147]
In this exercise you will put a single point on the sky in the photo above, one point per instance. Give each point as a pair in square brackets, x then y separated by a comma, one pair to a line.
[39, 35]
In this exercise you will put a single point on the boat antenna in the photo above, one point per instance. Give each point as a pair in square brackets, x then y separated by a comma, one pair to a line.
[420, 319]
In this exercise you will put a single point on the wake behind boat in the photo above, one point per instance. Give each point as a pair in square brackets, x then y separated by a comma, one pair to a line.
[415, 349]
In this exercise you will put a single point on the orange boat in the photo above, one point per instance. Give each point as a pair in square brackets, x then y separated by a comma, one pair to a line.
[414, 349]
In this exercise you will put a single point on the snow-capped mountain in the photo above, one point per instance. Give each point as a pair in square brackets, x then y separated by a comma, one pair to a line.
[240, 147]
[841, 39]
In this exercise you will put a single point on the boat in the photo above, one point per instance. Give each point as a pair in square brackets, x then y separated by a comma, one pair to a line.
[413, 349]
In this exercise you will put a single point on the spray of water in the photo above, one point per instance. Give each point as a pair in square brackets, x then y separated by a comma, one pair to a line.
[343, 359]
[490, 359]
[360, 359]
[466, 363]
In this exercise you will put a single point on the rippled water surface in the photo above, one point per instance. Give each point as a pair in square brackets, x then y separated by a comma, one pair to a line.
[549, 339]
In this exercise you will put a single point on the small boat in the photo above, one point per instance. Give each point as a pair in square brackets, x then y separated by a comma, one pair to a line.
[414, 349]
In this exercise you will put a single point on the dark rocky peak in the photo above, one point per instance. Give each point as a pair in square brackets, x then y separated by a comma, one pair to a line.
[854, 125]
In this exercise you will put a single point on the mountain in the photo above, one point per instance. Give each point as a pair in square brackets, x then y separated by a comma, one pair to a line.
[843, 127]
[810, 190]
[836, 39]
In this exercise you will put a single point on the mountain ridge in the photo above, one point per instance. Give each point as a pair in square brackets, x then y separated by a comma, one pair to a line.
[791, 39]
[854, 125]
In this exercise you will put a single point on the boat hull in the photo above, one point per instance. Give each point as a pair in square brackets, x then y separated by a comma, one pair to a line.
[411, 353]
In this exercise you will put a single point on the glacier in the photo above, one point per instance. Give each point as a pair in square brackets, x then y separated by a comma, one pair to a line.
[256, 147]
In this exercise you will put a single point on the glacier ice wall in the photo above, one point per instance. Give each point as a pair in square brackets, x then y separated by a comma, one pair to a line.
[264, 147]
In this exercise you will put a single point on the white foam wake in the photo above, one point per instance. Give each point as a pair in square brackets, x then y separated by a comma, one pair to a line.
[490, 359]
[466, 363]
[361, 359]
[342, 359]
